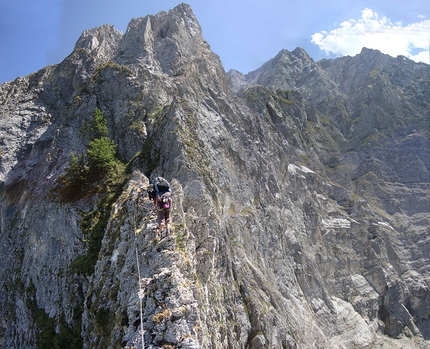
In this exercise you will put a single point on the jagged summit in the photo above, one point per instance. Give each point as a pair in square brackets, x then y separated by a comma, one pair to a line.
[166, 42]
[301, 197]
[286, 71]
[100, 42]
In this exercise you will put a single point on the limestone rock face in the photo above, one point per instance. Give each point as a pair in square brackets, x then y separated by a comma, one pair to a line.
[301, 198]
[101, 43]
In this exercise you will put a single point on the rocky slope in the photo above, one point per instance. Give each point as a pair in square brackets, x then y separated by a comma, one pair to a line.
[301, 193]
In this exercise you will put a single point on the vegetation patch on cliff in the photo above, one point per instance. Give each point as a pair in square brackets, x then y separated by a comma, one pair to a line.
[47, 337]
[98, 170]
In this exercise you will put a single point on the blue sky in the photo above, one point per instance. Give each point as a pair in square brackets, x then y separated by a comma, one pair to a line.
[245, 34]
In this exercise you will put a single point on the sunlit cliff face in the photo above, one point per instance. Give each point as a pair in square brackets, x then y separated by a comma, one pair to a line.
[300, 195]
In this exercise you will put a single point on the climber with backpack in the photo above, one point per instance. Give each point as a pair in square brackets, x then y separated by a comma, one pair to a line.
[163, 200]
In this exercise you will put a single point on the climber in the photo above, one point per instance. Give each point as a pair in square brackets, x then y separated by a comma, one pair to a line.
[163, 200]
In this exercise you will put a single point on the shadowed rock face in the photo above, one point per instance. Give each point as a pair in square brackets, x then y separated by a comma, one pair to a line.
[301, 198]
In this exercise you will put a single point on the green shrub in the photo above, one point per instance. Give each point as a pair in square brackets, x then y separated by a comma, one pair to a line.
[104, 319]
[97, 127]
[101, 155]
[76, 170]
[156, 114]
[325, 121]
[99, 161]
[99, 124]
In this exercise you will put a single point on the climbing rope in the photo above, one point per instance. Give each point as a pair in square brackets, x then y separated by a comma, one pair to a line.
[141, 295]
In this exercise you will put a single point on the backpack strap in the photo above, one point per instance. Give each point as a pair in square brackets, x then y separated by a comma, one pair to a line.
[154, 184]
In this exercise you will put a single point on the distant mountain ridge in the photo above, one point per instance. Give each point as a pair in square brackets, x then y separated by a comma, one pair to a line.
[301, 198]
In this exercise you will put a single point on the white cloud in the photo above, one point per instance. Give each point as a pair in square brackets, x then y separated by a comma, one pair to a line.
[370, 31]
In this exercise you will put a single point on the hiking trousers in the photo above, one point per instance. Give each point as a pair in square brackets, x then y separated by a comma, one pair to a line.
[163, 216]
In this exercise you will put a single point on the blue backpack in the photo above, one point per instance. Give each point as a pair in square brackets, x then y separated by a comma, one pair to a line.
[162, 193]
[161, 185]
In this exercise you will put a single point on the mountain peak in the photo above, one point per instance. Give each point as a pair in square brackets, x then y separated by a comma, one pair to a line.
[101, 41]
[165, 43]
[281, 72]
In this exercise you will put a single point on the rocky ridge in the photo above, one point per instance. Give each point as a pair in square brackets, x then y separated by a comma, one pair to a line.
[301, 198]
